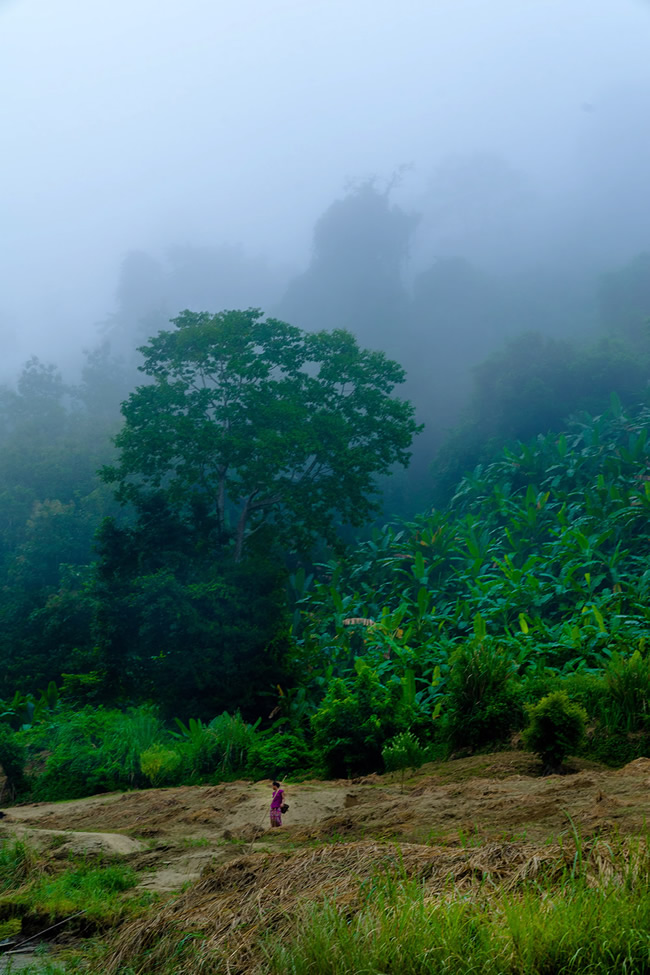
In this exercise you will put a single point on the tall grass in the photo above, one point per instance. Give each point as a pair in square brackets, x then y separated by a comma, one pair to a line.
[218, 749]
[627, 680]
[128, 736]
[400, 930]
[17, 864]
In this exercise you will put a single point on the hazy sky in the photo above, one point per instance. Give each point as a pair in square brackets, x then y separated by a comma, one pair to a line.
[139, 123]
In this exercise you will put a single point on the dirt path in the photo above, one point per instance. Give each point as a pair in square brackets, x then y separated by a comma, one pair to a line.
[171, 835]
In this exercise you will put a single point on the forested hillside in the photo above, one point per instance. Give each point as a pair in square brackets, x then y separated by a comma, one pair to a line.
[419, 521]
[192, 591]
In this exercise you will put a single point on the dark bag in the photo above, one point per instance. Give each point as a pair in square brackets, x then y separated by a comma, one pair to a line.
[284, 808]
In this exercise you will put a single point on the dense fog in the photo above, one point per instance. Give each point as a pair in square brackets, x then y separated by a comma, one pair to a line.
[460, 184]
[436, 177]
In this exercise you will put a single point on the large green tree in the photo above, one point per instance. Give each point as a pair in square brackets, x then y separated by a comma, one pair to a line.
[253, 423]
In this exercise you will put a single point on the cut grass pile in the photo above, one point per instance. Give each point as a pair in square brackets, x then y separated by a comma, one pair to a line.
[375, 908]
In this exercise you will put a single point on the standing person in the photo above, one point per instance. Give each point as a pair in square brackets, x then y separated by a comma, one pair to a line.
[276, 804]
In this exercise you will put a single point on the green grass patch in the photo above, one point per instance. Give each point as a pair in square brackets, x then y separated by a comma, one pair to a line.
[96, 890]
[399, 930]
[32, 885]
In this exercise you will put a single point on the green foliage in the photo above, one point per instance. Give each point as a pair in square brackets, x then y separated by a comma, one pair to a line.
[401, 753]
[159, 764]
[81, 689]
[83, 887]
[234, 737]
[531, 386]
[543, 554]
[482, 705]
[93, 750]
[17, 864]
[97, 750]
[220, 748]
[12, 761]
[277, 755]
[170, 618]
[261, 424]
[354, 720]
[397, 926]
[24, 710]
[556, 729]
[51, 443]
[627, 680]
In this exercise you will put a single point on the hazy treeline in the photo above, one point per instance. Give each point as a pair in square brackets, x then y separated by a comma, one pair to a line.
[492, 355]
[553, 332]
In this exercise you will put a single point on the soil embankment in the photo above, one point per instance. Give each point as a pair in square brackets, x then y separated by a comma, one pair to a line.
[173, 833]
[489, 815]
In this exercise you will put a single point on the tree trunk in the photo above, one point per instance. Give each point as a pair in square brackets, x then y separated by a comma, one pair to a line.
[241, 528]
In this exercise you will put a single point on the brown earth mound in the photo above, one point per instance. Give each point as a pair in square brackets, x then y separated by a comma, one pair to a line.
[174, 833]
[453, 826]
[227, 909]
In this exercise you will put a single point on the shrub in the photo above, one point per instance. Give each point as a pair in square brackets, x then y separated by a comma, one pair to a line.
[159, 764]
[483, 704]
[557, 727]
[129, 734]
[218, 748]
[617, 748]
[627, 681]
[235, 737]
[402, 752]
[275, 756]
[353, 723]
[93, 750]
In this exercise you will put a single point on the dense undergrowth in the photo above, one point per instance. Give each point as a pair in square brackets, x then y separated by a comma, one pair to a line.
[534, 581]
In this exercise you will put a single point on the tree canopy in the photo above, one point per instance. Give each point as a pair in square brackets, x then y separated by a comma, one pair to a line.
[252, 422]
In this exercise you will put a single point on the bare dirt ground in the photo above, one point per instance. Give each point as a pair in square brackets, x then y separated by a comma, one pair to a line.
[217, 867]
[171, 835]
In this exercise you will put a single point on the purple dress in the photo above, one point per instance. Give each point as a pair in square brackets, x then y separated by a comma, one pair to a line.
[276, 803]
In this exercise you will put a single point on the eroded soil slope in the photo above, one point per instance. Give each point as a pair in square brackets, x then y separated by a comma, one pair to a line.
[171, 835]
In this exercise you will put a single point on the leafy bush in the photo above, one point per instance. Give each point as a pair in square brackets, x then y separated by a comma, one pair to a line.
[235, 738]
[160, 764]
[128, 735]
[557, 728]
[275, 756]
[402, 752]
[86, 887]
[93, 750]
[617, 748]
[218, 748]
[483, 704]
[353, 723]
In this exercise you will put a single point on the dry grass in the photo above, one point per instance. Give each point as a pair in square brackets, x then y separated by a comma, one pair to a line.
[233, 907]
